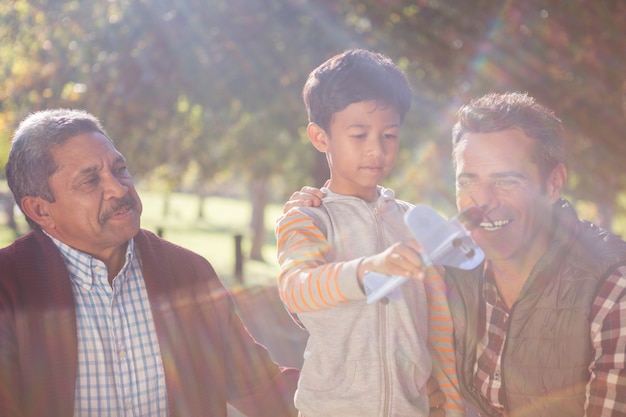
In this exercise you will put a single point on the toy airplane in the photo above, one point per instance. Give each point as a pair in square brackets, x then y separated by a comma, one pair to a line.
[444, 242]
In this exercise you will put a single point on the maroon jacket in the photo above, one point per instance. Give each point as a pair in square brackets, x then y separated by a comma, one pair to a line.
[208, 355]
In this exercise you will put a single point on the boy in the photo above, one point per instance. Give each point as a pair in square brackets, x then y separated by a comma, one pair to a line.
[361, 359]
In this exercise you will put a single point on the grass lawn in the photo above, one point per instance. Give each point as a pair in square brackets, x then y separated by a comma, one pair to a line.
[211, 237]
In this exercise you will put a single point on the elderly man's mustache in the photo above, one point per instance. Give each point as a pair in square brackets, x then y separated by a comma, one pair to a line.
[127, 202]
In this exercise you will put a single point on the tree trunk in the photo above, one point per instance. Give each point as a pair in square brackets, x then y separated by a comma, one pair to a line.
[10, 213]
[166, 203]
[258, 197]
[201, 198]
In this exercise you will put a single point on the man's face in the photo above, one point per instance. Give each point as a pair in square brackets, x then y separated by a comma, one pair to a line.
[96, 208]
[497, 170]
[361, 147]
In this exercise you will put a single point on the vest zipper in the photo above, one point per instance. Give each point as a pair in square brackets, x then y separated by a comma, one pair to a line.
[503, 392]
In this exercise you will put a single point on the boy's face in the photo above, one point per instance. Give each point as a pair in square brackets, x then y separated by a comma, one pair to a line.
[361, 147]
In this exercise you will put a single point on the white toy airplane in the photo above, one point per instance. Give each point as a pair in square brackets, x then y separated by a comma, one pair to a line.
[444, 242]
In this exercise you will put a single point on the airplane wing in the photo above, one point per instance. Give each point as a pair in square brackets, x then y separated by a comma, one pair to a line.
[445, 242]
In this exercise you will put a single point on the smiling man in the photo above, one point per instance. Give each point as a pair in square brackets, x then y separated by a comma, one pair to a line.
[540, 328]
[101, 318]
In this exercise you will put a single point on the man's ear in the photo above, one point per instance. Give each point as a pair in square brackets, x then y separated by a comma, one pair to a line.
[36, 208]
[317, 136]
[556, 182]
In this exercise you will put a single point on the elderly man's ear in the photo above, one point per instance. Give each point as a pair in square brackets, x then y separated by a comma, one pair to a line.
[37, 209]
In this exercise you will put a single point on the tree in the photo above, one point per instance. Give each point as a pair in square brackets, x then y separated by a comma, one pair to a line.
[214, 86]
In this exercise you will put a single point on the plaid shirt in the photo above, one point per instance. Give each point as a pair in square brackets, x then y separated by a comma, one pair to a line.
[606, 390]
[120, 371]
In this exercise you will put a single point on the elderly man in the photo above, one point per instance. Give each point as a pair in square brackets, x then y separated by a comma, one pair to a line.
[99, 317]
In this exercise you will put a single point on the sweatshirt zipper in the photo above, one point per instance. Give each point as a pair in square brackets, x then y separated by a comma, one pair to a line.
[385, 363]
[382, 313]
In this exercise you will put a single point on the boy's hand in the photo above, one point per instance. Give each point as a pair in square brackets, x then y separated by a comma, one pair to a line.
[402, 258]
[306, 197]
[436, 398]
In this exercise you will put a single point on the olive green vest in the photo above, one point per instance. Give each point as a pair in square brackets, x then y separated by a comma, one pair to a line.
[546, 358]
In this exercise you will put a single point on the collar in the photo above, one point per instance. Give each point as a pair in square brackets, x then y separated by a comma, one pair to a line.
[385, 196]
[84, 269]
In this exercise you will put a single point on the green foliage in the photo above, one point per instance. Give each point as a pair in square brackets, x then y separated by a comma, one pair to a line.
[210, 89]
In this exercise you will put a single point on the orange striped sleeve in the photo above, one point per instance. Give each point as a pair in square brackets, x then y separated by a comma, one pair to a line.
[307, 280]
[441, 342]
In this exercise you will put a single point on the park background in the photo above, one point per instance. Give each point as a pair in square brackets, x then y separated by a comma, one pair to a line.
[203, 97]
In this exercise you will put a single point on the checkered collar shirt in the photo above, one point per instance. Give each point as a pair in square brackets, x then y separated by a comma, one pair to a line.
[487, 370]
[606, 391]
[120, 371]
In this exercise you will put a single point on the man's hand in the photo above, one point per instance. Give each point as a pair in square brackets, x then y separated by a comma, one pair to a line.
[436, 398]
[306, 197]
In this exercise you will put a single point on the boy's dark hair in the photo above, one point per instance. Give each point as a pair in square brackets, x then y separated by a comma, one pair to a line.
[496, 112]
[353, 76]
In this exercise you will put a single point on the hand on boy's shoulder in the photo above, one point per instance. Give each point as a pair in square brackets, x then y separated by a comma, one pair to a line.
[306, 197]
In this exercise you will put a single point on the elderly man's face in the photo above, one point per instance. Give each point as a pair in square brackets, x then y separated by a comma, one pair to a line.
[96, 208]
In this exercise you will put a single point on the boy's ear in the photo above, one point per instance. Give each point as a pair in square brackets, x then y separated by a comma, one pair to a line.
[36, 208]
[317, 136]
